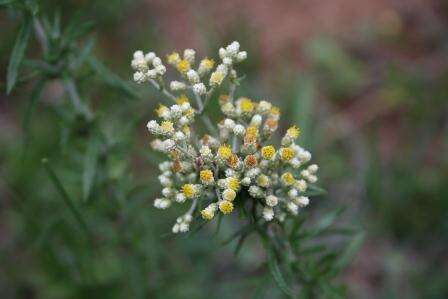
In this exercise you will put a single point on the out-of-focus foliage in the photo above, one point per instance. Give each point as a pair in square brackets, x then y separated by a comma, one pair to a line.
[373, 108]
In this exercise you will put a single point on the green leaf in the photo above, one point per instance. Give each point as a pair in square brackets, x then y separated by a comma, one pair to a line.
[111, 79]
[314, 190]
[90, 165]
[18, 52]
[303, 107]
[348, 253]
[67, 199]
[6, 2]
[35, 96]
[277, 274]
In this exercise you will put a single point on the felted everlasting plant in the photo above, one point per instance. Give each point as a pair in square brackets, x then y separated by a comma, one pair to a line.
[236, 162]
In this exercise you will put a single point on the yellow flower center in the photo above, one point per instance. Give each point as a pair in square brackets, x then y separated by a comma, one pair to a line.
[286, 153]
[183, 66]
[293, 132]
[167, 127]
[173, 58]
[226, 207]
[189, 190]
[233, 183]
[288, 178]
[268, 152]
[182, 99]
[224, 151]
[207, 214]
[161, 110]
[206, 176]
[207, 64]
[246, 105]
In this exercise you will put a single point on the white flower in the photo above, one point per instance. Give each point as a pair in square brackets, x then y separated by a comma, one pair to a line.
[193, 77]
[168, 145]
[241, 56]
[222, 68]
[229, 123]
[293, 208]
[161, 203]
[185, 106]
[179, 136]
[301, 185]
[246, 181]
[189, 55]
[176, 111]
[149, 57]
[268, 214]
[176, 85]
[153, 126]
[139, 77]
[229, 195]
[205, 151]
[233, 48]
[157, 61]
[199, 89]
[222, 53]
[139, 64]
[302, 201]
[138, 54]
[256, 120]
[271, 200]
[227, 61]
[152, 74]
[160, 69]
[313, 168]
[180, 197]
[239, 130]
[264, 106]
[293, 193]
[304, 156]
[183, 120]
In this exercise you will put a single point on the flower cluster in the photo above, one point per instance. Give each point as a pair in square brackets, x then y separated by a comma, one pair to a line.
[236, 160]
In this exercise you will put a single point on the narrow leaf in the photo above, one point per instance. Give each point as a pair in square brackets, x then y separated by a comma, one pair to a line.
[277, 274]
[6, 2]
[18, 52]
[90, 164]
[111, 79]
[35, 96]
[349, 252]
[67, 199]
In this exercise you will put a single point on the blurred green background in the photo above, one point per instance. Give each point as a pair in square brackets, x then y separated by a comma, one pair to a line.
[367, 81]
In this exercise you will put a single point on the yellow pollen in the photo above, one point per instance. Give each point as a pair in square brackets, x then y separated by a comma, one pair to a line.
[226, 207]
[246, 105]
[161, 110]
[224, 151]
[182, 99]
[207, 64]
[207, 214]
[189, 190]
[173, 58]
[286, 153]
[206, 176]
[263, 181]
[293, 132]
[216, 78]
[167, 127]
[251, 135]
[183, 66]
[288, 178]
[275, 110]
[268, 152]
[233, 183]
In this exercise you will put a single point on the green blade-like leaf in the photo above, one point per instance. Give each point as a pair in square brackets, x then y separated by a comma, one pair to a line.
[277, 275]
[18, 52]
[6, 2]
[349, 251]
[67, 199]
[35, 96]
[90, 164]
[111, 79]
